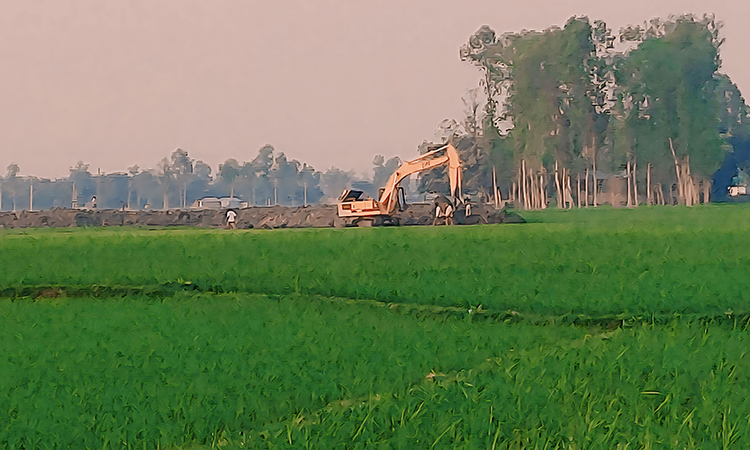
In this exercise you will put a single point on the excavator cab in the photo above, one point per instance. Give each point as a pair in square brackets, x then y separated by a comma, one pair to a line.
[351, 204]
[350, 195]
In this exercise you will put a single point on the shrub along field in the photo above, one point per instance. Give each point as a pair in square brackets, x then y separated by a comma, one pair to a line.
[597, 329]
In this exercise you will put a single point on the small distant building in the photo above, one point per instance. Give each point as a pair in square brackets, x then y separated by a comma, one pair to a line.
[218, 203]
[231, 202]
[739, 184]
[735, 191]
[206, 203]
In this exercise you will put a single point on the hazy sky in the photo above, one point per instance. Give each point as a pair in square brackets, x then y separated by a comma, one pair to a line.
[332, 83]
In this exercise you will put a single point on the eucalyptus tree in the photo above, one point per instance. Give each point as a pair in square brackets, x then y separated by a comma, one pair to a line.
[333, 182]
[668, 105]
[541, 87]
[10, 183]
[309, 181]
[146, 187]
[260, 166]
[182, 166]
[383, 170]
[84, 185]
[284, 177]
[229, 170]
[734, 114]
[167, 179]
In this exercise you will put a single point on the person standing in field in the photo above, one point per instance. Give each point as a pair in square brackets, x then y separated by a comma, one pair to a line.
[231, 217]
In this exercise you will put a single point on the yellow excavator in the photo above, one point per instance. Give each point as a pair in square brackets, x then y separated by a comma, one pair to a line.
[354, 210]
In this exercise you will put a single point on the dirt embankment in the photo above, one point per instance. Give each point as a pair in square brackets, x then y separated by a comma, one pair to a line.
[319, 216]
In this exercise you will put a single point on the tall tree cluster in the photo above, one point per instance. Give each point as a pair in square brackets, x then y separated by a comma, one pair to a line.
[566, 106]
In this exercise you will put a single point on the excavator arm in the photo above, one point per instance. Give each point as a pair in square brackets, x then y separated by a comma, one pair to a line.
[351, 207]
[427, 161]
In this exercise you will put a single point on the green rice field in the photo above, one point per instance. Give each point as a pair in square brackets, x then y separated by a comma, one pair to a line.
[581, 329]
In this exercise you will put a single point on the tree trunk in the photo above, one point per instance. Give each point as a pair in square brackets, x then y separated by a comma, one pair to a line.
[568, 189]
[695, 195]
[661, 195]
[586, 197]
[706, 190]
[688, 189]
[558, 187]
[526, 203]
[596, 181]
[627, 175]
[532, 190]
[578, 189]
[529, 187]
[648, 185]
[519, 182]
[521, 196]
[671, 197]
[494, 187]
[677, 169]
[635, 185]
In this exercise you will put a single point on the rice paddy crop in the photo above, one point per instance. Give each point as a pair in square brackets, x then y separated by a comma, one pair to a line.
[584, 329]
[239, 371]
[646, 261]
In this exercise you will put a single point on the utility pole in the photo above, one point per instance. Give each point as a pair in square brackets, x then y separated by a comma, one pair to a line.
[31, 196]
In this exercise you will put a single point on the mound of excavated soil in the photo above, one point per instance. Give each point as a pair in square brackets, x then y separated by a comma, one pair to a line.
[319, 216]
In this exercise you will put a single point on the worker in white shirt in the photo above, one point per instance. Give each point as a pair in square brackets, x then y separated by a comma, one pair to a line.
[231, 217]
[449, 214]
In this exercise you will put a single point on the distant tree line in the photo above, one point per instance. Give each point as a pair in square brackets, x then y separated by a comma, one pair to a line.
[179, 180]
[555, 110]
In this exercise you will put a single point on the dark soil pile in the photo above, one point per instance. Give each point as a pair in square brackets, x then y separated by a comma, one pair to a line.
[319, 216]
